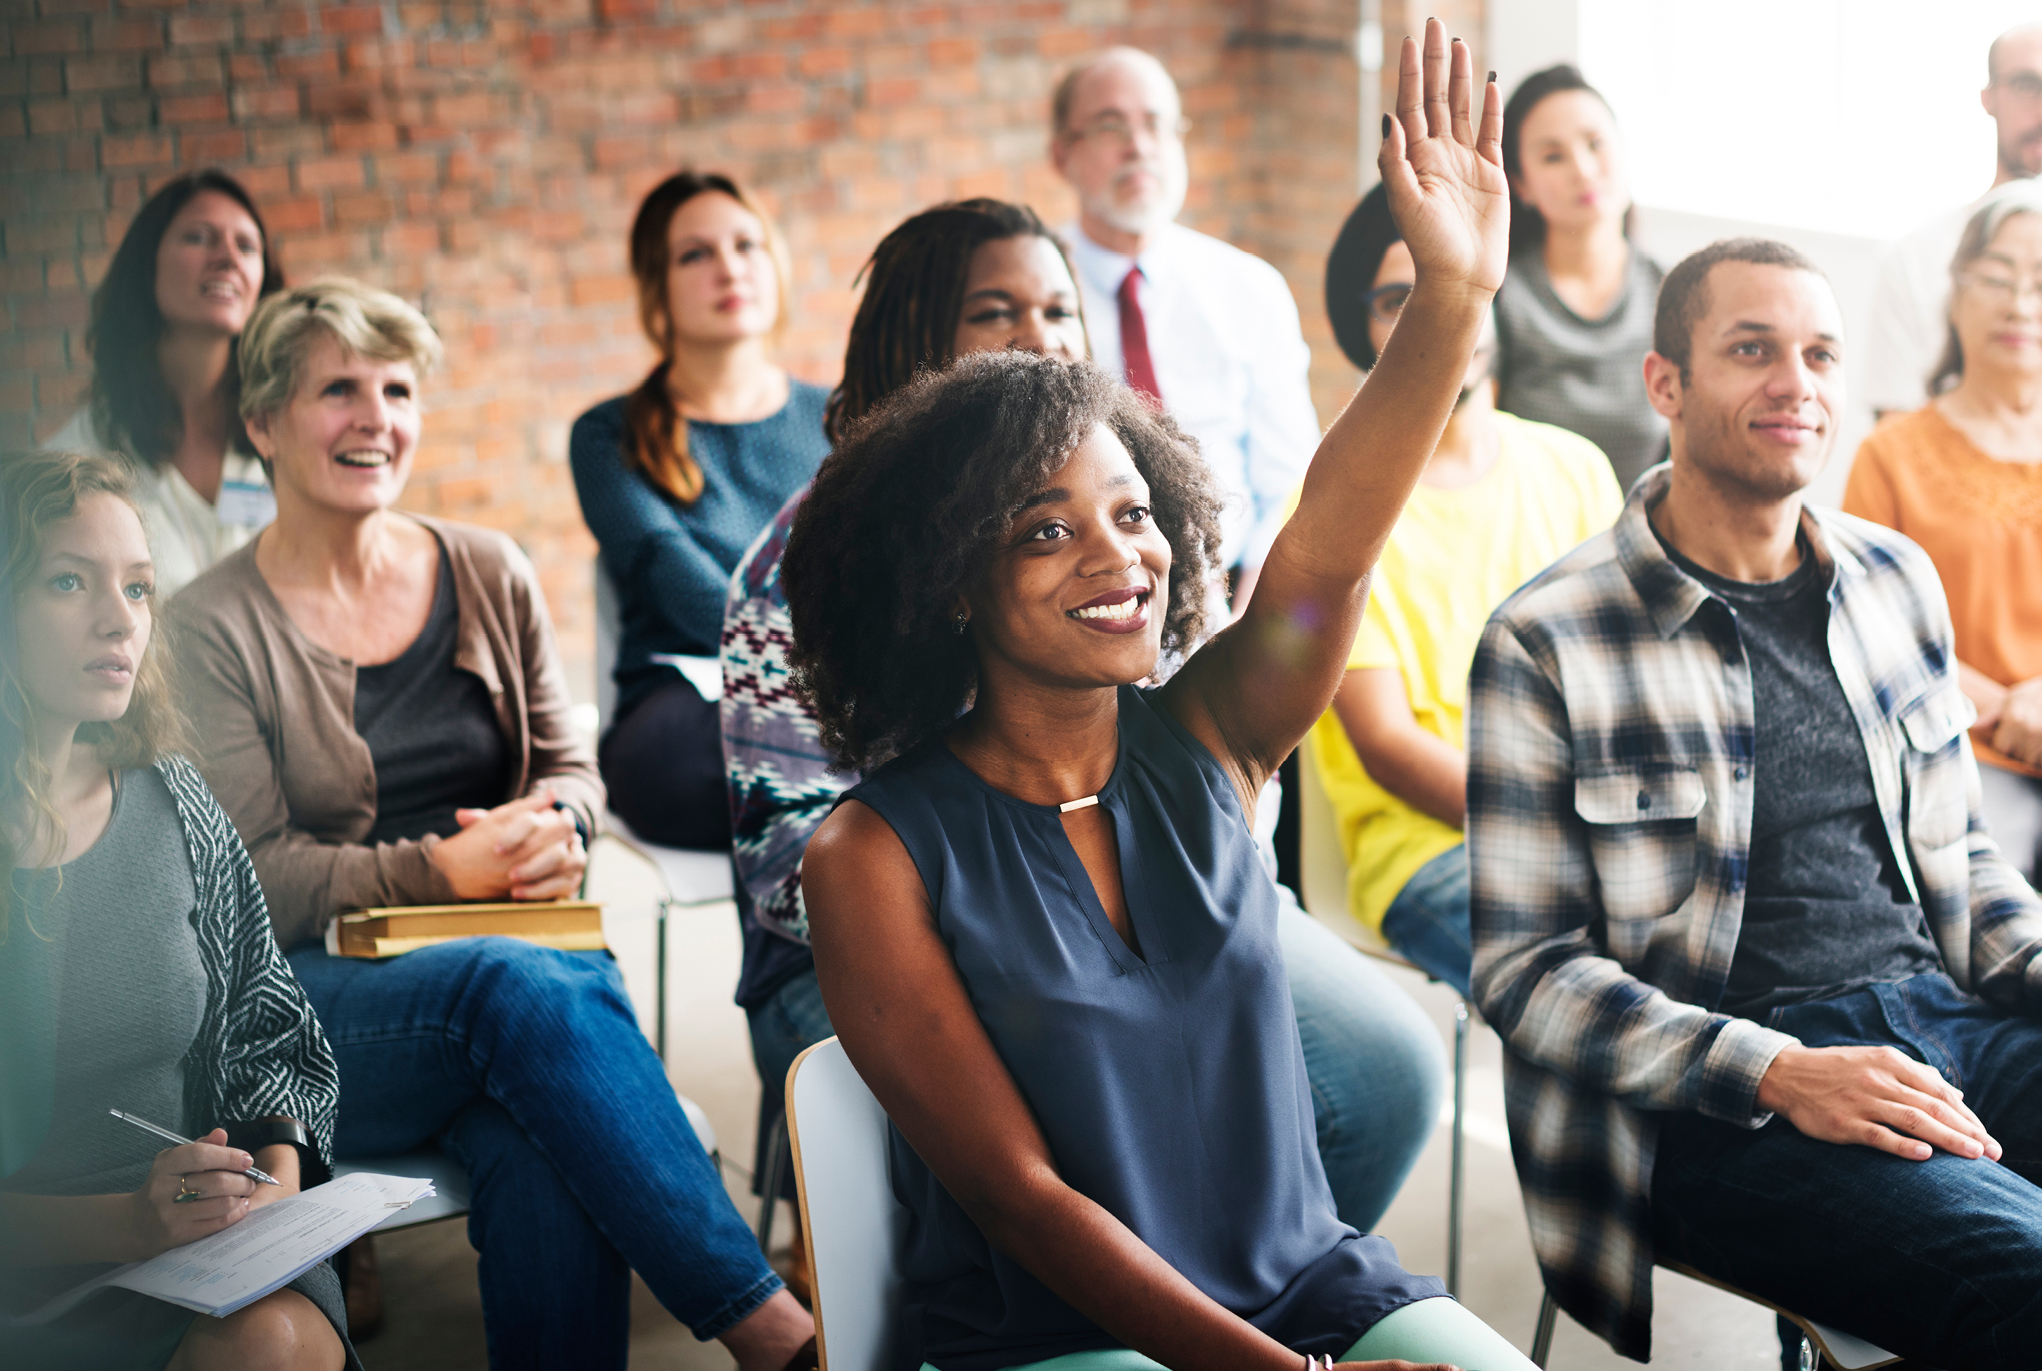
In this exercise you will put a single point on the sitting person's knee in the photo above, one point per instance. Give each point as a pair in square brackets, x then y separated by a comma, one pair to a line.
[280, 1332]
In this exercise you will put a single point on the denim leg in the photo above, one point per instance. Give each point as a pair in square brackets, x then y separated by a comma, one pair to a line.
[550, 1037]
[1939, 1261]
[564, 1300]
[1375, 1062]
[1428, 921]
[788, 1023]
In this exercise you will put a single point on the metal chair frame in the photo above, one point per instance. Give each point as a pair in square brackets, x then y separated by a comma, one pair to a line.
[1323, 874]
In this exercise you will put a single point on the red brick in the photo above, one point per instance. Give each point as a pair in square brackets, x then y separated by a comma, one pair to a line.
[270, 24]
[184, 69]
[330, 173]
[407, 167]
[144, 150]
[823, 61]
[206, 149]
[293, 216]
[193, 109]
[351, 19]
[411, 240]
[321, 64]
[127, 35]
[51, 35]
[339, 102]
[52, 116]
[265, 102]
[200, 30]
[362, 137]
[114, 72]
[13, 121]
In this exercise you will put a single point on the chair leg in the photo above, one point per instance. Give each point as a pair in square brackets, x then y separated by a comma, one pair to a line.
[659, 981]
[1457, 1178]
[1542, 1337]
[778, 1156]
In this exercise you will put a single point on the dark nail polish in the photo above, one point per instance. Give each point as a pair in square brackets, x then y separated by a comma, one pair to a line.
[1386, 126]
[1492, 78]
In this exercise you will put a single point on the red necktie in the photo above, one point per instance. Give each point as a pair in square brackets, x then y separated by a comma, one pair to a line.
[1134, 338]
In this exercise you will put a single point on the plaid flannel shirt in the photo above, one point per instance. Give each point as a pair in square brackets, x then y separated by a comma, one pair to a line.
[1610, 783]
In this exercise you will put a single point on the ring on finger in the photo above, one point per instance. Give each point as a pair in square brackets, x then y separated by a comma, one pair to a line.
[185, 1194]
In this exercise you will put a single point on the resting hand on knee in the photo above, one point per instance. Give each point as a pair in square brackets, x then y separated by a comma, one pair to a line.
[1875, 1097]
[283, 1331]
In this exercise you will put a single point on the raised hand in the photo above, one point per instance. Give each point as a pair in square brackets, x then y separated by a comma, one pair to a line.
[1444, 176]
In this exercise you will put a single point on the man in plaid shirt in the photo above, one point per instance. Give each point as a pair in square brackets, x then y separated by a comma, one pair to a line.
[1762, 975]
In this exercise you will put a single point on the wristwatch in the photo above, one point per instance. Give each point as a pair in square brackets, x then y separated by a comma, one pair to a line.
[251, 1136]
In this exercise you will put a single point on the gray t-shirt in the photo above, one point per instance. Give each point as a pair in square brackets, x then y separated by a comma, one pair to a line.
[1826, 909]
[125, 1001]
[1585, 375]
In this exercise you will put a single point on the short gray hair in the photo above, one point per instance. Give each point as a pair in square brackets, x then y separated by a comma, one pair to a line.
[365, 321]
[2015, 197]
[1067, 86]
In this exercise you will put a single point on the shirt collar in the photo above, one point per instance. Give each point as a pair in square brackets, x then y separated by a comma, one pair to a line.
[1102, 267]
[1670, 595]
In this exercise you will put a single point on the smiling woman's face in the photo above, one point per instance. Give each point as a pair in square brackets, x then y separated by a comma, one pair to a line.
[345, 440]
[84, 616]
[1077, 595]
[209, 265]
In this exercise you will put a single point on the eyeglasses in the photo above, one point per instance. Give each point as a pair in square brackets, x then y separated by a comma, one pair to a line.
[2004, 290]
[2024, 85]
[1385, 303]
[1118, 128]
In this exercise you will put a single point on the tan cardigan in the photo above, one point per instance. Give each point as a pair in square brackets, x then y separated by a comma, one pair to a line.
[273, 713]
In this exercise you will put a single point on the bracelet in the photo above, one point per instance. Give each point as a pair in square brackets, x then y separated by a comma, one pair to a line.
[574, 817]
[1318, 1363]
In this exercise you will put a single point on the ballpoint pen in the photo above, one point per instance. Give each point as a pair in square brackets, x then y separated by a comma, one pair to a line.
[253, 1173]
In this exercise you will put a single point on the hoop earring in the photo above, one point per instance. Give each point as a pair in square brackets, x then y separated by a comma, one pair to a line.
[962, 621]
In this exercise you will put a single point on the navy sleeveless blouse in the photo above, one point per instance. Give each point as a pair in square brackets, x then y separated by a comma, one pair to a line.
[1171, 1086]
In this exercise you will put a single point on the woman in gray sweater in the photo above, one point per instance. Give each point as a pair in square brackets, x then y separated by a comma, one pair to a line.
[136, 968]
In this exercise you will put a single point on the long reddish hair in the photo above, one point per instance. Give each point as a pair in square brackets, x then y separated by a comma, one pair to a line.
[656, 438]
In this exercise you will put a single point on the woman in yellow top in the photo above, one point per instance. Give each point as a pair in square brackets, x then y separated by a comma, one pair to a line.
[1501, 499]
[1963, 477]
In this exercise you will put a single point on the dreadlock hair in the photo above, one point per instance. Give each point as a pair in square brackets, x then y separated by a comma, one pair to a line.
[131, 403]
[909, 510]
[38, 489]
[914, 296]
[655, 436]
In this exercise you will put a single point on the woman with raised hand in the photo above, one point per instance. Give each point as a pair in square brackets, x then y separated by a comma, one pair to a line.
[1962, 476]
[677, 478]
[986, 276]
[1574, 314]
[382, 711]
[1043, 929]
[136, 967]
[166, 385]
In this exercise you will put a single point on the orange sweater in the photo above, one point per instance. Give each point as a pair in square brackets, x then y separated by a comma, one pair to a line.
[1980, 521]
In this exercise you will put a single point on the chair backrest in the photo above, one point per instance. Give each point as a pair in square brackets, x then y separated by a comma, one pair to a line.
[1322, 869]
[608, 629]
[855, 1227]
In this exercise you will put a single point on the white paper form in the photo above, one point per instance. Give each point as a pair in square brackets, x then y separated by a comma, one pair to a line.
[266, 1251]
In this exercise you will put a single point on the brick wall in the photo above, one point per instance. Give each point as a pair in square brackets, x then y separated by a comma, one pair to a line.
[485, 159]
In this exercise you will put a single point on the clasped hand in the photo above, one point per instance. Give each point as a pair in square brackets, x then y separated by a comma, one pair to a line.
[524, 850]
[1875, 1097]
[2013, 724]
[212, 1170]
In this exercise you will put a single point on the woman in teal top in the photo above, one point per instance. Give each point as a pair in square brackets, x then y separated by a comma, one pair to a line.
[1041, 929]
[136, 969]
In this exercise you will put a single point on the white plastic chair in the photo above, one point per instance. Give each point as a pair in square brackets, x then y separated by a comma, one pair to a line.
[1322, 871]
[855, 1227]
[1820, 1344]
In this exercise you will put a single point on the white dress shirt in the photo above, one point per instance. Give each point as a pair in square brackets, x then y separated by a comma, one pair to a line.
[1230, 360]
[187, 532]
[1910, 319]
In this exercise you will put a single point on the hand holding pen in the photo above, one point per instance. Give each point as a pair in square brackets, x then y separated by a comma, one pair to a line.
[194, 1189]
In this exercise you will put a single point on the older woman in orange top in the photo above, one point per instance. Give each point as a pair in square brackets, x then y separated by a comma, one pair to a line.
[1963, 477]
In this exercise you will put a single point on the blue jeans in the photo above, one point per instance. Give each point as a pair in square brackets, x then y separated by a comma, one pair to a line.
[1428, 921]
[1939, 1261]
[528, 1067]
[1375, 1061]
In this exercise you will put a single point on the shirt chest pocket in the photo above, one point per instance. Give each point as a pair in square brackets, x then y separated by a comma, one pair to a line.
[1642, 825]
[1932, 760]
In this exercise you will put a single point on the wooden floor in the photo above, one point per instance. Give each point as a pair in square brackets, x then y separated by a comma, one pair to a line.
[433, 1316]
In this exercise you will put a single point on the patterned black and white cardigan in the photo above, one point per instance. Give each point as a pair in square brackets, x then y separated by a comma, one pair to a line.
[260, 1050]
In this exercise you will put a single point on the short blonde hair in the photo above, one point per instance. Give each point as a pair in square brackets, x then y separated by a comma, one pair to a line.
[365, 322]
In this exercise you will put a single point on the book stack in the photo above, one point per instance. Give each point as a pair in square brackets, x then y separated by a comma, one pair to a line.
[572, 925]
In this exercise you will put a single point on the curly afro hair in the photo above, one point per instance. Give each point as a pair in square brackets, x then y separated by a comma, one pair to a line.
[907, 512]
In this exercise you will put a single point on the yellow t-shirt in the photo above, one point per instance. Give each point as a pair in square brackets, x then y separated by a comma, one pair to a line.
[1454, 556]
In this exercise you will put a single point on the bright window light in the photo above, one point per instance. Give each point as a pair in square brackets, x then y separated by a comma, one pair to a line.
[1851, 116]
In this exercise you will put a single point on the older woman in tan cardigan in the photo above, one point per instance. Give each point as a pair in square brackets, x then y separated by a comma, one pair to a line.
[382, 713]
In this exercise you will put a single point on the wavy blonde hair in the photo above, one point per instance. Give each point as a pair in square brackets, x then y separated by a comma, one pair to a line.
[365, 321]
[38, 489]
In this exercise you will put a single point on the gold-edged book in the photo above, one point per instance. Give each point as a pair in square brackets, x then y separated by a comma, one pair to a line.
[572, 925]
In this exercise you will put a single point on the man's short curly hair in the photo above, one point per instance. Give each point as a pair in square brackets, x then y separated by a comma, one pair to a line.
[906, 514]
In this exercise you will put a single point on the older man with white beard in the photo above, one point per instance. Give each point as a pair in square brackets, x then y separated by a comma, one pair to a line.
[1208, 330]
